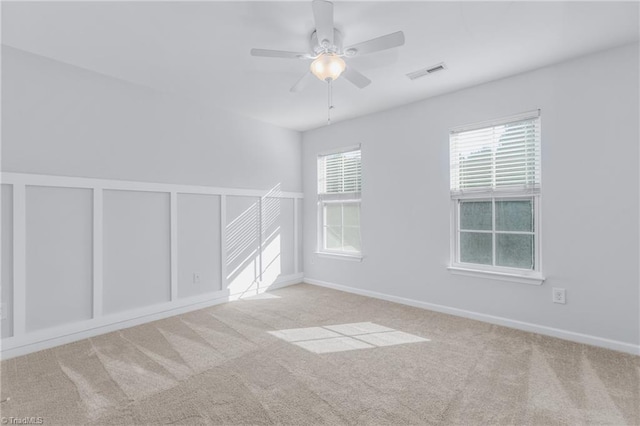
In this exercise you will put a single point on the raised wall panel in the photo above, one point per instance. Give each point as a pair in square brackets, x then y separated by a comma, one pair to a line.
[198, 244]
[137, 270]
[93, 256]
[243, 239]
[7, 260]
[286, 223]
[300, 236]
[277, 239]
[59, 256]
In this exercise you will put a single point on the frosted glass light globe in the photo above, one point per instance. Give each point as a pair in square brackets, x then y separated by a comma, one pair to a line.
[328, 66]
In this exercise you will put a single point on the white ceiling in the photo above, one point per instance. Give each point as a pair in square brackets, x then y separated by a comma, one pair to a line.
[201, 49]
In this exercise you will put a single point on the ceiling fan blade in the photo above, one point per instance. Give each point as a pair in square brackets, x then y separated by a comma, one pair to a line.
[355, 77]
[279, 54]
[376, 44]
[323, 16]
[302, 83]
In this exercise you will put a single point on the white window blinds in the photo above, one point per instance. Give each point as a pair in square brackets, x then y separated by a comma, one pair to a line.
[340, 173]
[497, 157]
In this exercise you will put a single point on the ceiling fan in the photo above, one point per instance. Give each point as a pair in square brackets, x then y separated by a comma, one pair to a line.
[327, 51]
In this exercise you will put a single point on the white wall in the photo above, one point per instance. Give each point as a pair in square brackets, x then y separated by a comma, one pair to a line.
[590, 161]
[99, 254]
[63, 120]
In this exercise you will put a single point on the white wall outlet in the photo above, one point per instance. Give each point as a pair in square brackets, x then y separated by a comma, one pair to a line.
[559, 295]
[3, 311]
[196, 277]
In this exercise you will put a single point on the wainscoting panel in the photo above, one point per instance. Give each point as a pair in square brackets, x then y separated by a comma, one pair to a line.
[137, 250]
[198, 244]
[83, 256]
[243, 244]
[59, 256]
[298, 231]
[6, 230]
[278, 251]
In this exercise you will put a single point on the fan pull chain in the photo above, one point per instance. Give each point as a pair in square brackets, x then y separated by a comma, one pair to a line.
[330, 102]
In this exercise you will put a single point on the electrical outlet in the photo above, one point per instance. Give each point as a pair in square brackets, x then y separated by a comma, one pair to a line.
[196, 277]
[559, 295]
[3, 311]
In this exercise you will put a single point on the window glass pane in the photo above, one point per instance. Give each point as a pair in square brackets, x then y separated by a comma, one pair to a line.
[333, 214]
[333, 238]
[475, 215]
[515, 251]
[476, 247]
[514, 215]
[352, 239]
[351, 214]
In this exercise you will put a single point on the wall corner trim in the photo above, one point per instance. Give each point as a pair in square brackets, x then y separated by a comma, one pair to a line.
[505, 322]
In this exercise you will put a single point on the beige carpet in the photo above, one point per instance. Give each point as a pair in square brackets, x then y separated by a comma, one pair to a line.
[241, 363]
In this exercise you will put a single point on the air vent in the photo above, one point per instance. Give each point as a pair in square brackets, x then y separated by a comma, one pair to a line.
[426, 71]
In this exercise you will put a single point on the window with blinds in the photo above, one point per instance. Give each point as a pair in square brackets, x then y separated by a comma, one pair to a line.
[499, 157]
[340, 173]
[495, 192]
[339, 186]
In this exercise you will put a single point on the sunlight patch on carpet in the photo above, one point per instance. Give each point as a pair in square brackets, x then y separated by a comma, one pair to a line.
[345, 337]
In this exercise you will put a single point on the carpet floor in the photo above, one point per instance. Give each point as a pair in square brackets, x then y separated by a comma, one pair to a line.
[306, 355]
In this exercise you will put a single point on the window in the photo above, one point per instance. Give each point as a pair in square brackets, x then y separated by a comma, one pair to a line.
[339, 185]
[495, 193]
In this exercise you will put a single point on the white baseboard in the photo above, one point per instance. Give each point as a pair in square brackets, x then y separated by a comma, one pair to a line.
[56, 336]
[506, 322]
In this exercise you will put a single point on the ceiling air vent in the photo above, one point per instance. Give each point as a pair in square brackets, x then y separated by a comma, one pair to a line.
[426, 71]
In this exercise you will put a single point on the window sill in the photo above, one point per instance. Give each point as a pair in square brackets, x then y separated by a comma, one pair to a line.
[532, 279]
[347, 257]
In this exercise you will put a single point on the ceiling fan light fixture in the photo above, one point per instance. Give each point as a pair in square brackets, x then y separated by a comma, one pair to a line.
[328, 66]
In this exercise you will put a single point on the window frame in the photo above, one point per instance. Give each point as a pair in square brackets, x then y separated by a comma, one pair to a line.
[520, 275]
[336, 198]
[527, 276]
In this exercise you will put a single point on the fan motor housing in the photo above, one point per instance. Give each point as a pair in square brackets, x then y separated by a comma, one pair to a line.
[316, 48]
